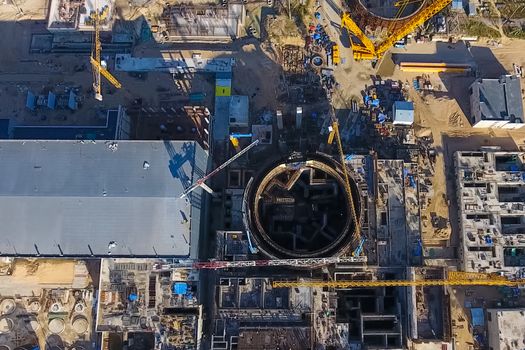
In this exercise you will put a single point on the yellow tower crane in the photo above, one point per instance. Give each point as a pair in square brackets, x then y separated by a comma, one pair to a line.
[334, 134]
[98, 69]
[454, 278]
[365, 50]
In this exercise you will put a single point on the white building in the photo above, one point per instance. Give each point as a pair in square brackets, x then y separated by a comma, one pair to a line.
[491, 196]
[403, 113]
[505, 329]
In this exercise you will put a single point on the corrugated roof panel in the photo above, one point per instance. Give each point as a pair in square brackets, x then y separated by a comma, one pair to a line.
[82, 195]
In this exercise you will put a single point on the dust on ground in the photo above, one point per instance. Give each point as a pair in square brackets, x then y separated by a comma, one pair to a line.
[463, 299]
[256, 73]
[35, 274]
[443, 113]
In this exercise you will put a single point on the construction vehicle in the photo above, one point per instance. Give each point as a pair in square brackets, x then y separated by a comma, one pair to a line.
[201, 182]
[453, 278]
[364, 49]
[336, 57]
[96, 63]
[234, 138]
[334, 134]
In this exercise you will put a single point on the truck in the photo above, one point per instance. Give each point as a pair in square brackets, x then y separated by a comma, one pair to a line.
[336, 58]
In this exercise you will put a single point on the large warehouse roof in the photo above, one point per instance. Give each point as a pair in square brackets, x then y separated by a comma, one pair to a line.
[76, 198]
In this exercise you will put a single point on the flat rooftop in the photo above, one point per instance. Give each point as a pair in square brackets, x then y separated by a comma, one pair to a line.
[506, 328]
[68, 15]
[201, 21]
[75, 198]
[491, 193]
[500, 99]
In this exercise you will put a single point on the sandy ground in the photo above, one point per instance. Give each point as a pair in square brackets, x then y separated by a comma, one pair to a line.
[29, 275]
[256, 73]
[435, 113]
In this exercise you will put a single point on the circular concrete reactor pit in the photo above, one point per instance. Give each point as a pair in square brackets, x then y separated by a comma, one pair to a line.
[299, 209]
[386, 9]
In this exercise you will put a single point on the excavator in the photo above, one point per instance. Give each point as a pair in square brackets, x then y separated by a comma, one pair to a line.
[364, 49]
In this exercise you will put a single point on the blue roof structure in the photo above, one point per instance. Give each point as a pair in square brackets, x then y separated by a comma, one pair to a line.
[478, 317]
[51, 100]
[457, 4]
[180, 288]
[31, 101]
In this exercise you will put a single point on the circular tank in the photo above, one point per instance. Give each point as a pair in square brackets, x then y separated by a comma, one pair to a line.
[55, 307]
[56, 325]
[6, 325]
[80, 325]
[298, 208]
[4, 347]
[34, 306]
[386, 9]
[7, 306]
[317, 61]
[79, 307]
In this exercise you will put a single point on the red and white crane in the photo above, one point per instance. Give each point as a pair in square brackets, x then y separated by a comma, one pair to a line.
[301, 262]
[201, 182]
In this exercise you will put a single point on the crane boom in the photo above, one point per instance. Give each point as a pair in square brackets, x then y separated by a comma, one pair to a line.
[95, 61]
[360, 51]
[453, 279]
[368, 50]
[335, 134]
[106, 74]
[417, 20]
[202, 180]
[305, 262]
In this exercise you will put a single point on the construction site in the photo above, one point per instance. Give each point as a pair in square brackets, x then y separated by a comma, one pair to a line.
[243, 175]
[47, 304]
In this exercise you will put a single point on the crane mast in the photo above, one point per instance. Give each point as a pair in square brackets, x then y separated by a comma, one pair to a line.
[95, 59]
[96, 67]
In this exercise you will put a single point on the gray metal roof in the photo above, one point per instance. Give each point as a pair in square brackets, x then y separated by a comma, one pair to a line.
[500, 99]
[74, 198]
[403, 112]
